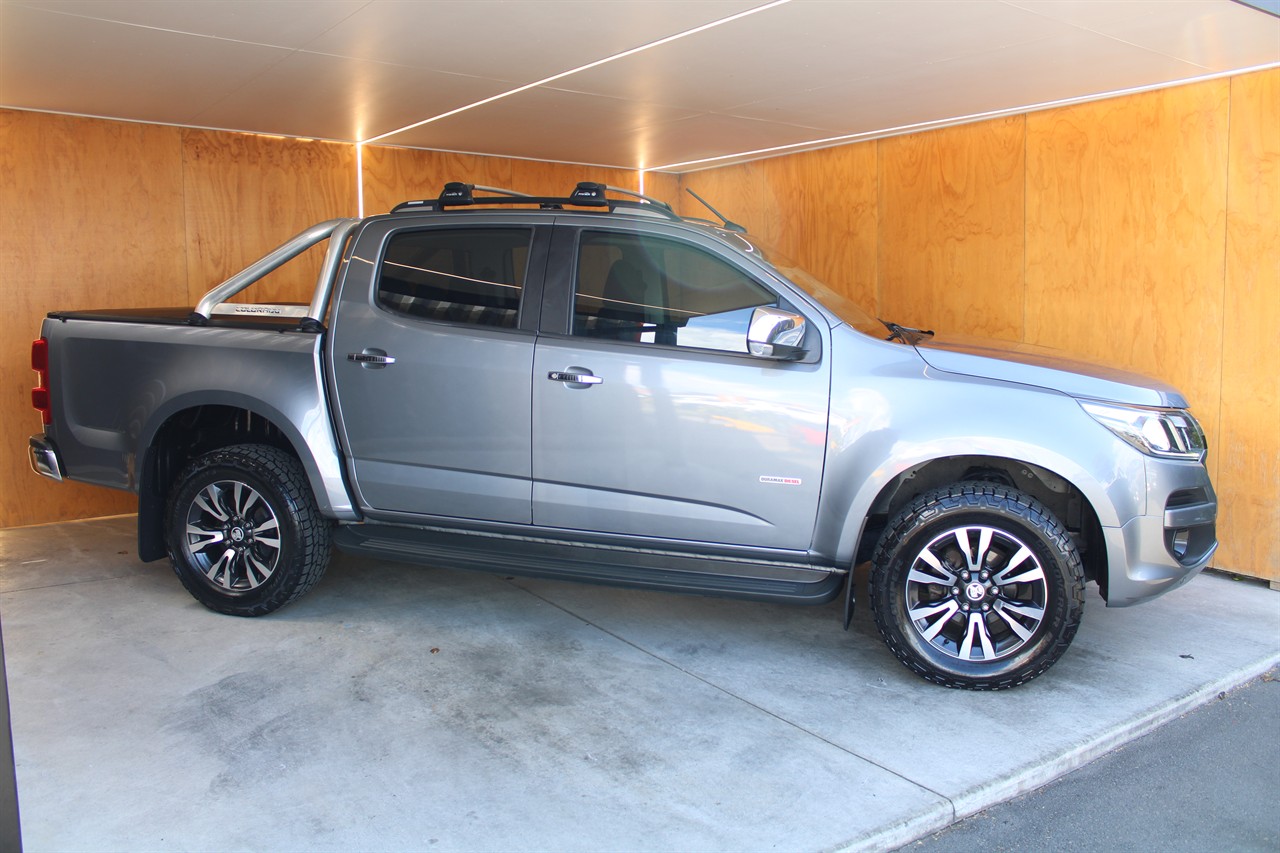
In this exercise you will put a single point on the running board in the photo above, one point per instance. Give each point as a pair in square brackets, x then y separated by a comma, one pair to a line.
[592, 563]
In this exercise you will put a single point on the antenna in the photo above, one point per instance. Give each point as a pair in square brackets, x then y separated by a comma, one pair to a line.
[728, 226]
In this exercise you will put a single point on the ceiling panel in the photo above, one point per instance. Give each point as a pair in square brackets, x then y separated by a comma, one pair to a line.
[808, 44]
[282, 23]
[72, 64]
[548, 124]
[514, 40]
[1074, 65]
[332, 97]
[1218, 36]
[724, 77]
[555, 125]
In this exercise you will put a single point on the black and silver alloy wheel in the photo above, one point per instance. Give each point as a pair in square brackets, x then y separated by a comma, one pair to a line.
[976, 593]
[245, 535]
[233, 535]
[977, 585]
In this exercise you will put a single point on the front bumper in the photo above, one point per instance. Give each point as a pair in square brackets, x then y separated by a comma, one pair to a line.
[44, 457]
[1163, 549]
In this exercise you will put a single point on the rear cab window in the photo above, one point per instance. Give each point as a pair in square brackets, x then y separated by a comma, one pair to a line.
[457, 275]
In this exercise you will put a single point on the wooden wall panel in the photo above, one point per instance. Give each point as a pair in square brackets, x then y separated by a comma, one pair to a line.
[247, 194]
[90, 217]
[818, 207]
[1126, 228]
[559, 179]
[743, 193]
[952, 229]
[392, 175]
[824, 209]
[1248, 447]
[664, 186]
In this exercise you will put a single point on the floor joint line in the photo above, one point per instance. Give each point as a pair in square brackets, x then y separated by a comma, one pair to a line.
[735, 696]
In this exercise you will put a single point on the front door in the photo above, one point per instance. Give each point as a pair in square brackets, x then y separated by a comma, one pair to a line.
[649, 416]
[431, 362]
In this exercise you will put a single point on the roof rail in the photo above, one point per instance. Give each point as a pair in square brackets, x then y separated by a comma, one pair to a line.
[585, 194]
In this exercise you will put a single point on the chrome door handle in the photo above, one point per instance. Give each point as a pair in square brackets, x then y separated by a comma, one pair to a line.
[373, 358]
[575, 378]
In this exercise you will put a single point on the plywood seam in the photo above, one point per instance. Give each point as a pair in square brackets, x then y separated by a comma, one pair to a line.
[879, 230]
[186, 218]
[1026, 235]
[1220, 426]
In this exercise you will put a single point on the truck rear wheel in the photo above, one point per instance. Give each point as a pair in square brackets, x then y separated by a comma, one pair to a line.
[244, 533]
[978, 586]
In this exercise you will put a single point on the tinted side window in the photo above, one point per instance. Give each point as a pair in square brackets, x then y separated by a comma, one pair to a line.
[638, 288]
[472, 275]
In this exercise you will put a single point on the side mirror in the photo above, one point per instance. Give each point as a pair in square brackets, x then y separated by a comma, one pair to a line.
[776, 334]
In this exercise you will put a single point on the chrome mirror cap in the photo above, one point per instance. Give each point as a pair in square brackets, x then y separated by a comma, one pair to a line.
[776, 334]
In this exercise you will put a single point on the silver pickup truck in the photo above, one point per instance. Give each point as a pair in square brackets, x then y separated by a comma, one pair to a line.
[594, 388]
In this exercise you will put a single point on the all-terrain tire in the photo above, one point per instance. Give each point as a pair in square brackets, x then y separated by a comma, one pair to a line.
[977, 585]
[244, 533]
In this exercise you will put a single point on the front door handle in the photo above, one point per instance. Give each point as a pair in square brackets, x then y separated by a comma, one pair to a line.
[576, 377]
[373, 359]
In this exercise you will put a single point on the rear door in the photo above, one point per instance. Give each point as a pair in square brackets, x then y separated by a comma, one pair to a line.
[650, 418]
[431, 354]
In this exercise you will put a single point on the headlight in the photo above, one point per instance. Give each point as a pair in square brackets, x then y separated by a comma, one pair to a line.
[1168, 433]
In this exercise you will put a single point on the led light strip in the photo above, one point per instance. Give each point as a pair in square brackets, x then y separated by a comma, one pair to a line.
[360, 180]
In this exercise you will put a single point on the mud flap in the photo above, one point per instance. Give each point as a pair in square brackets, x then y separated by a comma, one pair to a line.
[850, 597]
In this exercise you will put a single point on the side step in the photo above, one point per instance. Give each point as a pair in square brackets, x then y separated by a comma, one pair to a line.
[760, 580]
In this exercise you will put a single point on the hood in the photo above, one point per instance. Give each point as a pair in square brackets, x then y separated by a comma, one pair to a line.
[1045, 368]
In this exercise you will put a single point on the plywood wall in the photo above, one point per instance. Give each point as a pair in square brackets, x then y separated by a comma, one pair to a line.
[1143, 231]
[245, 194]
[90, 216]
[818, 208]
[1126, 214]
[1248, 446]
[952, 229]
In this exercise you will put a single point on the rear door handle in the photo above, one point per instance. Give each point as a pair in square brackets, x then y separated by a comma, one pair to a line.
[576, 377]
[371, 358]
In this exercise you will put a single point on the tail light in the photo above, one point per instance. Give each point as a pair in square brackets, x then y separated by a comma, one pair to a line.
[40, 393]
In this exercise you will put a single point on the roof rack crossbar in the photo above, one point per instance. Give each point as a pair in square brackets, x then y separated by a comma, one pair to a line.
[435, 204]
[586, 194]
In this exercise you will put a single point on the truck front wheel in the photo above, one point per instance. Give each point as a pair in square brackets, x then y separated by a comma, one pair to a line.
[977, 585]
[244, 534]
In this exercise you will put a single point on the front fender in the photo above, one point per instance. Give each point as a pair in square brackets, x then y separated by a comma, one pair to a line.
[889, 422]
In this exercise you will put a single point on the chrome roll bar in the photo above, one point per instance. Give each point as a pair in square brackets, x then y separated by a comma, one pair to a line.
[335, 230]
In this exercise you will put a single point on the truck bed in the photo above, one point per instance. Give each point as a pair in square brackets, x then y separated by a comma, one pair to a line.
[118, 377]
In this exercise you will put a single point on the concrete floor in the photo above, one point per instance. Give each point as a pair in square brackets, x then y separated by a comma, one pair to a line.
[397, 707]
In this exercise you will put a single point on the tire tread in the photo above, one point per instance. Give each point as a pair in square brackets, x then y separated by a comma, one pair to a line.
[976, 496]
[314, 530]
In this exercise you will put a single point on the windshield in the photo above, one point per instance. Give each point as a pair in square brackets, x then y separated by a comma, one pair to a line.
[839, 304]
